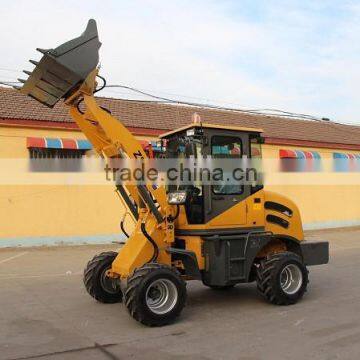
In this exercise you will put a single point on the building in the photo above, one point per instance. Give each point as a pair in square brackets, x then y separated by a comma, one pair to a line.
[47, 214]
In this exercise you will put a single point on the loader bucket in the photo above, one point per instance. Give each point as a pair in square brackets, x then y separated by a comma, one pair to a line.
[63, 69]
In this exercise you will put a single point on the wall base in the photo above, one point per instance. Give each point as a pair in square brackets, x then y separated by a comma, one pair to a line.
[330, 224]
[60, 240]
[108, 238]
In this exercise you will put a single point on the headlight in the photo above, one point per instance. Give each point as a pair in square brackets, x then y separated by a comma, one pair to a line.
[176, 197]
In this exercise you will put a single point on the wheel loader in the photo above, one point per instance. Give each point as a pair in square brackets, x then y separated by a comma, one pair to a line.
[195, 232]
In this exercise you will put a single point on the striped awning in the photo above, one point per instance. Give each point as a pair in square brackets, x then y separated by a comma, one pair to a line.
[298, 154]
[58, 143]
[300, 161]
[346, 156]
[346, 162]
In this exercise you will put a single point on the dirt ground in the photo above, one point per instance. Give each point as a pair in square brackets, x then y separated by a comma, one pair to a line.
[45, 313]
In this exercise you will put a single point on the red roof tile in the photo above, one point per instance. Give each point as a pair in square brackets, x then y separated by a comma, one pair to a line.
[152, 115]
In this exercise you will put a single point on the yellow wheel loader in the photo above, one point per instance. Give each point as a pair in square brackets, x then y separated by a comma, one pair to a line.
[196, 232]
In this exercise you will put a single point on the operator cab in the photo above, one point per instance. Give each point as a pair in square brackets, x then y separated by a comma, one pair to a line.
[196, 143]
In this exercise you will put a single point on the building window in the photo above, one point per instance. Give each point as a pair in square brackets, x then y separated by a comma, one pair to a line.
[56, 155]
[55, 160]
[346, 162]
[37, 153]
[299, 161]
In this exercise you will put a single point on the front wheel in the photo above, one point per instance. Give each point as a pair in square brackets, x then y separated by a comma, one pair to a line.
[282, 278]
[155, 294]
[97, 283]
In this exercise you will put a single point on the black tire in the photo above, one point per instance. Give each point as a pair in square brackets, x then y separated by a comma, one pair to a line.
[270, 278]
[142, 282]
[100, 287]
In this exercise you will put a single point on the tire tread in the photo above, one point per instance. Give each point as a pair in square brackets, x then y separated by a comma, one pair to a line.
[133, 283]
[90, 277]
[266, 273]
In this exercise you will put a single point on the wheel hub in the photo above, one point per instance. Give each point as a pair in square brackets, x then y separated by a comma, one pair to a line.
[161, 296]
[108, 284]
[291, 279]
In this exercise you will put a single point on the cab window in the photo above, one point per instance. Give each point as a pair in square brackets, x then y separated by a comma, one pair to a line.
[226, 147]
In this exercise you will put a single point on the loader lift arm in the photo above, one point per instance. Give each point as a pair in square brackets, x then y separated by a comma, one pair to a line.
[112, 139]
[69, 72]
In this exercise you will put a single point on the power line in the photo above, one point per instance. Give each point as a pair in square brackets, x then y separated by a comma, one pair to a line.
[268, 112]
[9, 83]
[160, 99]
[271, 112]
[223, 102]
[261, 111]
[217, 107]
[10, 70]
[7, 77]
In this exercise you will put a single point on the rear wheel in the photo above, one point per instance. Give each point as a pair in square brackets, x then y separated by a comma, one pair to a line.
[97, 283]
[155, 294]
[282, 278]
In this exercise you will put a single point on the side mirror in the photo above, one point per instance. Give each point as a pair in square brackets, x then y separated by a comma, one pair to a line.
[177, 197]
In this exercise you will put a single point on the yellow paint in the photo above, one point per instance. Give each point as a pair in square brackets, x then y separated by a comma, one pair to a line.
[240, 215]
[295, 229]
[319, 203]
[246, 214]
[54, 210]
[194, 243]
[137, 251]
[74, 210]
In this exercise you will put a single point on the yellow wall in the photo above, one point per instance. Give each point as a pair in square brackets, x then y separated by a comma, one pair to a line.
[320, 205]
[35, 211]
[53, 210]
[13, 139]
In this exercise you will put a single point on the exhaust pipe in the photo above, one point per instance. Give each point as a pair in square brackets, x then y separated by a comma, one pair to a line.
[63, 69]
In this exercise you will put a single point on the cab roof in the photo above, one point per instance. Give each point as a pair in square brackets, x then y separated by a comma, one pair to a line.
[210, 126]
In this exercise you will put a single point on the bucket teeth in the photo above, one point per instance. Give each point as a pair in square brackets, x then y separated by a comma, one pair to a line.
[22, 80]
[43, 51]
[17, 87]
[61, 70]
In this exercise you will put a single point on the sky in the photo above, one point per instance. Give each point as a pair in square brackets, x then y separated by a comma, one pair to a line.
[300, 56]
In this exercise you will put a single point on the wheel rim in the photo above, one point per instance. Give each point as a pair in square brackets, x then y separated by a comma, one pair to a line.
[108, 284]
[291, 279]
[161, 296]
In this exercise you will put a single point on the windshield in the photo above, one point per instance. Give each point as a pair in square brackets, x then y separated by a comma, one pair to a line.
[255, 144]
[183, 148]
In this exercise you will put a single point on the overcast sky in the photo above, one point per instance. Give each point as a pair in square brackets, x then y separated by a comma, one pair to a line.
[301, 56]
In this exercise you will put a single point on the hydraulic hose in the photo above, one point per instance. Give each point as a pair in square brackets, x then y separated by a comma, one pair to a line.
[102, 86]
[172, 219]
[95, 91]
[152, 241]
[123, 228]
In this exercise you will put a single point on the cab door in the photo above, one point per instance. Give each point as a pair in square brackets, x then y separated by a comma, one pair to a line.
[224, 201]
